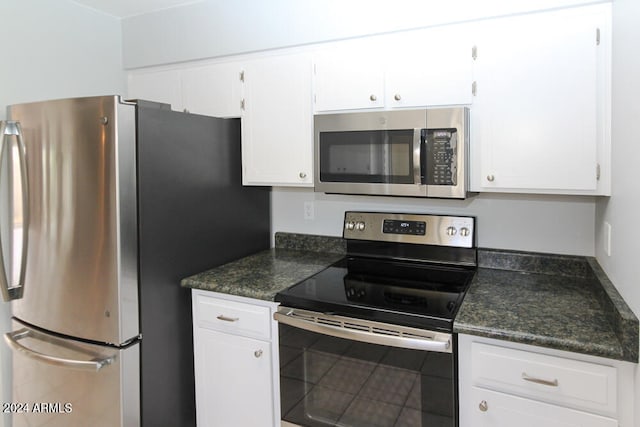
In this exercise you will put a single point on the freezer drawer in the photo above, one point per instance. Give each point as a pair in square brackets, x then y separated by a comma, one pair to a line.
[63, 382]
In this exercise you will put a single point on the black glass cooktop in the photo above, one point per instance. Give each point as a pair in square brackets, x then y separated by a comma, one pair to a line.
[399, 292]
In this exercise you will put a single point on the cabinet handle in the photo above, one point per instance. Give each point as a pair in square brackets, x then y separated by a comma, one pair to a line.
[257, 353]
[553, 383]
[490, 178]
[227, 319]
[483, 406]
[373, 98]
[397, 97]
[302, 175]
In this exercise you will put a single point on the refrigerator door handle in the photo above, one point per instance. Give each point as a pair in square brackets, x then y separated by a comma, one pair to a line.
[7, 129]
[94, 364]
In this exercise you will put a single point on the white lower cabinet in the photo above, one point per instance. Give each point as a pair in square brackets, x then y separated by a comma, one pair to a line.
[506, 410]
[509, 384]
[236, 359]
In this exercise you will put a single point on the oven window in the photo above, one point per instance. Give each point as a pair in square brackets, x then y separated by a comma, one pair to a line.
[384, 156]
[327, 381]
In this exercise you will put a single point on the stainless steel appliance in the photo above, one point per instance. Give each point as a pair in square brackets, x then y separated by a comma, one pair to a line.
[113, 202]
[416, 153]
[369, 341]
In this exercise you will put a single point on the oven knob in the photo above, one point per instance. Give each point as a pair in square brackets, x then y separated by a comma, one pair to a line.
[451, 231]
[349, 225]
[464, 231]
[360, 226]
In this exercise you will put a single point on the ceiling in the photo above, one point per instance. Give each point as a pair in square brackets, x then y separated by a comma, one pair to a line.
[124, 8]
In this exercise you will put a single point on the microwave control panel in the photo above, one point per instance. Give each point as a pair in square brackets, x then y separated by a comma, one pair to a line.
[440, 150]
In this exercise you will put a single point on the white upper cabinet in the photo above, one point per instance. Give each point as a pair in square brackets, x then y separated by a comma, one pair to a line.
[159, 86]
[277, 121]
[431, 67]
[212, 90]
[540, 117]
[349, 76]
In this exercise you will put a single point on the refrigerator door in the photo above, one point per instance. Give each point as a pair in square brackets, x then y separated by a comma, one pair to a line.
[62, 382]
[81, 273]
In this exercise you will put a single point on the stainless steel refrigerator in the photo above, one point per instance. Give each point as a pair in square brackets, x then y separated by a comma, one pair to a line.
[111, 203]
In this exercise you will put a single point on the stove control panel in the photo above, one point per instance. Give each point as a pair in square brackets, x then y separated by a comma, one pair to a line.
[439, 230]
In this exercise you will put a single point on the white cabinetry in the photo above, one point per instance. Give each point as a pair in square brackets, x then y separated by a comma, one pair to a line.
[236, 361]
[430, 67]
[277, 121]
[507, 384]
[411, 69]
[212, 89]
[159, 86]
[540, 118]
[349, 76]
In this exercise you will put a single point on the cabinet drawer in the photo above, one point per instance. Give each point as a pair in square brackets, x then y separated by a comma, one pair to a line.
[232, 317]
[493, 409]
[553, 379]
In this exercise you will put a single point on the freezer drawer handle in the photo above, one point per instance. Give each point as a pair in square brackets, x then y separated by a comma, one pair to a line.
[12, 339]
[7, 129]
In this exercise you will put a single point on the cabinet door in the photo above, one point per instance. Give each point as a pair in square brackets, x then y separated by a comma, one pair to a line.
[350, 76]
[277, 132]
[536, 119]
[213, 90]
[493, 409]
[158, 86]
[233, 380]
[430, 67]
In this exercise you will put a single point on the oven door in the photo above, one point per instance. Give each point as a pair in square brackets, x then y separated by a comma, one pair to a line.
[350, 372]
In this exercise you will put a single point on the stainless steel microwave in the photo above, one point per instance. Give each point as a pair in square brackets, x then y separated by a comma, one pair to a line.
[414, 153]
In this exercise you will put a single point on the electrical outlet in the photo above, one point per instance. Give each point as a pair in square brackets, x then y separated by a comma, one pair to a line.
[309, 211]
[607, 238]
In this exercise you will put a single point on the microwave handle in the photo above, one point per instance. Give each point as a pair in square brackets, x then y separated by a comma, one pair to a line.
[419, 156]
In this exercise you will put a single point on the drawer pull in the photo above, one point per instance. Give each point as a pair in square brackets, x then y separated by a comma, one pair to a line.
[526, 377]
[257, 353]
[483, 406]
[227, 319]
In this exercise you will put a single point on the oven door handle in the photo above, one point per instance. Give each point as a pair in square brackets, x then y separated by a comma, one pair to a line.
[365, 331]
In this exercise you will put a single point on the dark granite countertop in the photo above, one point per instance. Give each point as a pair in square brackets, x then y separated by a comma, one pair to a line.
[263, 275]
[560, 302]
[556, 301]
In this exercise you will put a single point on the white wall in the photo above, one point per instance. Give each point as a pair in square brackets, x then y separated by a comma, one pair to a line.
[622, 209]
[213, 28]
[53, 50]
[57, 50]
[553, 224]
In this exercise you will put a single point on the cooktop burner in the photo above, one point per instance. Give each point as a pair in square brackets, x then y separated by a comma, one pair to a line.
[403, 269]
[403, 293]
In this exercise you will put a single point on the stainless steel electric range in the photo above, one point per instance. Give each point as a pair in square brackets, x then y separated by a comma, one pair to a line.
[369, 341]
